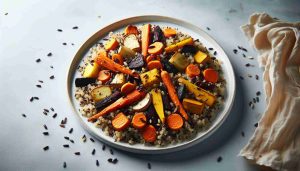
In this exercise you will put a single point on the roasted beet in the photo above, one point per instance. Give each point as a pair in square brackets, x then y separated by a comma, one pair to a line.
[108, 100]
[81, 82]
[181, 91]
[137, 62]
[158, 35]
[151, 115]
[168, 66]
[189, 49]
[165, 98]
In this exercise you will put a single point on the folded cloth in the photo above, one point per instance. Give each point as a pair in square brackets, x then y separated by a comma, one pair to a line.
[276, 141]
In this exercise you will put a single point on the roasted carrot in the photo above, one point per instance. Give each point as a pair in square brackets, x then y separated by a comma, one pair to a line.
[146, 29]
[104, 76]
[172, 93]
[117, 58]
[156, 48]
[127, 88]
[120, 122]
[154, 64]
[192, 70]
[174, 121]
[111, 65]
[150, 58]
[139, 120]
[111, 44]
[120, 103]
[169, 32]
[211, 75]
[149, 133]
[131, 29]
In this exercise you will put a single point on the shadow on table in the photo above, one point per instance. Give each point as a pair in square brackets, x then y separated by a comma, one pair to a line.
[219, 138]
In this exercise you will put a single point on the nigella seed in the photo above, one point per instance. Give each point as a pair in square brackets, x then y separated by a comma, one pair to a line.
[46, 148]
[219, 159]
[215, 53]
[210, 48]
[49, 54]
[244, 55]
[45, 113]
[36, 98]
[111, 151]
[103, 147]
[52, 109]
[45, 126]
[23, 115]
[250, 103]
[256, 124]
[256, 77]
[243, 134]
[115, 161]
[6, 14]
[257, 99]
[242, 78]
[75, 27]
[62, 125]
[207, 28]
[40, 81]
[54, 115]
[83, 138]
[247, 65]
[149, 165]
[94, 152]
[92, 139]
[59, 30]
[51, 66]
[77, 153]
[258, 93]
[46, 110]
[38, 86]
[38, 60]
[51, 77]
[70, 131]
[97, 163]
[64, 44]
[235, 51]
[67, 138]
[72, 141]
[66, 145]
[110, 160]
[65, 165]
[46, 133]
[249, 75]
[242, 48]
[254, 100]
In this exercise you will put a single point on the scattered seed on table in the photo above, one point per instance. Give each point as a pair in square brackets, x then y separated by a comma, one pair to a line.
[207, 28]
[45, 113]
[51, 66]
[46, 148]
[70, 131]
[64, 121]
[46, 110]
[242, 48]
[59, 30]
[250, 57]
[111, 151]
[247, 65]
[72, 44]
[256, 77]
[62, 125]
[38, 60]
[149, 165]
[258, 93]
[75, 27]
[210, 48]
[92, 139]
[243, 134]
[72, 141]
[51, 77]
[103, 147]
[66, 145]
[23, 115]
[45, 126]
[113, 161]
[219, 159]
[250, 103]
[6, 14]
[67, 138]
[38, 86]
[97, 163]
[65, 165]
[83, 138]
[49, 54]
[64, 44]
[254, 100]
[215, 53]
[242, 78]
[36, 98]
[52, 109]
[46, 133]
[77, 153]
[257, 99]
[235, 51]
[249, 75]
[94, 151]
[244, 55]
[256, 124]
[54, 115]
[40, 81]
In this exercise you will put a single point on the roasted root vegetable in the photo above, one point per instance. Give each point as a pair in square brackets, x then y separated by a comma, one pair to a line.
[174, 121]
[193, 106]
[201, 57]
[131, 41]
[137, 62]
[120, 103]
[146, 31]
[139, 120]
[176, 46]
[179, 61]
[158, 104]
[192, 70]
[100, 93]
[126, 53]
[120, 122]
[172, 93]
[81, 82]
[156, 48]
[168, 66]
[200, 94]
[111, 44]
[127, 88]
[104, 76]
[149, 133]
[151, 58]
[150, 78]
[111, 65]
[143, 104]
[107, 101]
[158, 35]
[169, 32]
[131, 29]
[154, 64]
[118, 80]
[211, 75]
[91, 70]
[117, 58]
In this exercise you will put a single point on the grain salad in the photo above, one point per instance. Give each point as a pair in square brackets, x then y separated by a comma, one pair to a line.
[150, 85]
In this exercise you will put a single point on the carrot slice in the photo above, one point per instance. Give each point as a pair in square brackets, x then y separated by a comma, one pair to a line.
[172, 93]
[111, 65]
[131, 29]
[154, 64]
[149, 133]
[169, 32]
[117, 58]
[127, 88]
[112, 44]
[120, 122]
[104, 76]
[175, 121]
[156, 48]
[120, 103]
[146, 29]
[192, 70]
[139, 120]
[211, 75]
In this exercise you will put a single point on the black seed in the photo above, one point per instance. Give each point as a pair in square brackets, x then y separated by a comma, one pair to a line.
[72, 141]
[66, 145]
[67, 138]
[243, 134]
[6, 14]
[210, 48]
[244, 55]
[219, 159]
[51, 77]
[94, 151]
[254, 100]
[45, 113]
[111, 151]
[59, 30]
[75, 27]
[247, 65]
[83, 138]
[241, 77]
[38, 60]
[115, 161]
[242, 48]
[51, 66]
[235, 51]
[250, 103]
[72, 44]
[149, 165]
[77, 153]
[249, 75]
[54, 115]
[46, 133]
[40, 81]
[110, 160]
[257, 99]
[65, 121]
[46, 148]
[92, 139]
[64, 44]
[52, 109]
[256, 77]
[36, 98]
[46, 110]
[23, 115]
[103, 147]
[45, 126]
[258, 93]
[97, 163]
[70, 131]
[256, 124]
[215, 53]
[62, 125]
[65, 165]
[207, 28]
[49, 54]
[39, 86]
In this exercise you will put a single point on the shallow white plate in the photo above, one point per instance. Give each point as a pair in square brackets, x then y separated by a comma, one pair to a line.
[183, 26]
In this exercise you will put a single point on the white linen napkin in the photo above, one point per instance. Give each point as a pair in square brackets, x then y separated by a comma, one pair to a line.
[276, 141]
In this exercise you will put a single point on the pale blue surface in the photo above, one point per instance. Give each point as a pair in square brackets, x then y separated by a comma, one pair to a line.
[29, 32]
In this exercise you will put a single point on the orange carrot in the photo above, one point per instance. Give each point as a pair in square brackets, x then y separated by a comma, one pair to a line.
[120, 122]
[149, 133]
[146, 29]
[169, 32]
[104, 76]
[120, 103]
[211, 75]
[112, 44]
[172, 93]
[127, 88]
[156, 48]
[111, 65]
[192, 70]
[139, 120]
[174, 121]
[154, 64]
[131, 29]
[152, 57]
[117, 58]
